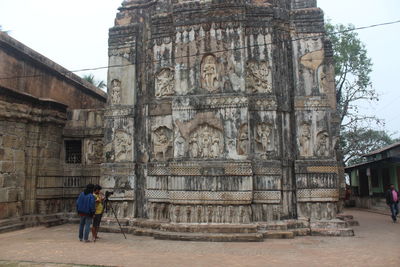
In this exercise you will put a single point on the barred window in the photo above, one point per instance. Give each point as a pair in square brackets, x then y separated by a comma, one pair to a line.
[73, 151]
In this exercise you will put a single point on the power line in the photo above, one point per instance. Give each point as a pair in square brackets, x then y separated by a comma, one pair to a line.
[216, 51]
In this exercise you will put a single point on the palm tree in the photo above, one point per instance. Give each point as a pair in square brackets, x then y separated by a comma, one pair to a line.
[90, 78]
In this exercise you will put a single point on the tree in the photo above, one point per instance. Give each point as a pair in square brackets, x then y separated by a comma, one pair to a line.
[353, 86]
[352, 74]
[357, 142]
[91, 79]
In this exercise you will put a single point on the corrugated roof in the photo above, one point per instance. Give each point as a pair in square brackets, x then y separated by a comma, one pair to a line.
[382, 149]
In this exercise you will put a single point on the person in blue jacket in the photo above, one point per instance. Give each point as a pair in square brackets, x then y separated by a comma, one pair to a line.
[85, 206]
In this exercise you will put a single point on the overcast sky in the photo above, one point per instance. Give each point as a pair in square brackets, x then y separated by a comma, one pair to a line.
[74, 34]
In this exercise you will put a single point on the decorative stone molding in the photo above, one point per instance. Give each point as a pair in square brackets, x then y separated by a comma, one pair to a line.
[267, 197]
[323, 169]
[317, 195]
[198, 168]
[207, 197]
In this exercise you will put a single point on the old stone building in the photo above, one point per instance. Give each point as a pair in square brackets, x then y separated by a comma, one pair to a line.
[220, 119]
[221, 112]
[51, 130]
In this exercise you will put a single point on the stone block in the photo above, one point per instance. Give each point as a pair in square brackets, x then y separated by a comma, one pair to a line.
[7, 166]
[9, 180]
[12, 194]
[279, 235]
[19, 156]
[10, 141]
[3, 195]
[7, 154]
[3, 208]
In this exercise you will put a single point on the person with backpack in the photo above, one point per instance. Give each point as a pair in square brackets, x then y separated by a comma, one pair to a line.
[85, 206]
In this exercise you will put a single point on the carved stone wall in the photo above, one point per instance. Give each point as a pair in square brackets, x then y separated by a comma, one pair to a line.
[222, 117]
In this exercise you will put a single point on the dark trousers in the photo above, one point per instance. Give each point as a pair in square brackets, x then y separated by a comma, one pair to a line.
[394, 209]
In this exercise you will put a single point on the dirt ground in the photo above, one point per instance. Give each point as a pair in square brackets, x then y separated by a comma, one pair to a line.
[377, 243]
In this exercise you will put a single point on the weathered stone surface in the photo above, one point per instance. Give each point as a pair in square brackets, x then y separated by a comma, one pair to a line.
[222, 111]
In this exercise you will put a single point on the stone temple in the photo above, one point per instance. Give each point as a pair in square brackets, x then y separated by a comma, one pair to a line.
[220, 118]
[221, 112]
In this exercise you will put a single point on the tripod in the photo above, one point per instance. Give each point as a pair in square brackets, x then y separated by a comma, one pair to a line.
[108, 205]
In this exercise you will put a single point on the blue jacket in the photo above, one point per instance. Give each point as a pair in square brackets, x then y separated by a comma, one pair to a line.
[85, 204]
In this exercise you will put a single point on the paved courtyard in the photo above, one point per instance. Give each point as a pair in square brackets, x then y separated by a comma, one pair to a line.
[377, 243]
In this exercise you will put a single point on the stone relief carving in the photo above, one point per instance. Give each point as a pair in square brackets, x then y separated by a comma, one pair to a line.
[164, 82]
[209, 74]
[115, 92]
[122, 146]
[263, 137]
[257, 77]
[323, 144]
[94, 150]
[162, 142]
[243, 140]
[305, 140]
[180, 146]
[204, 135]
[205, 142]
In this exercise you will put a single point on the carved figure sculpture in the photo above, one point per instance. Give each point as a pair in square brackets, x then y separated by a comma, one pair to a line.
[263, 136]
[209, 75]
[95, 151]
[305, 136]
[257, 77]
[162, 141]
[322, 144]
[115, 92]
[215, 147]
[243, 140]
[122, 146]
[205, 142]
[164, 82]
[194, 146]
[312, 61]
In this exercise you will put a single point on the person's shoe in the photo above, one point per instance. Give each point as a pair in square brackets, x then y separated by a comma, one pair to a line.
[87, 241]
[80, 240]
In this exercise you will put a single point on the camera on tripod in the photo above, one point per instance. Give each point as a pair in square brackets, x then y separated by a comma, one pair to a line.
[108, 205]
[108, 194]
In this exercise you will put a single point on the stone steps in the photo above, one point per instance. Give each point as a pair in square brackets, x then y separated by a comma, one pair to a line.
[13, 227]
[209, 228]
[279, 235]
[349, 219]
[209, 237]
[301, 231]
[8, 222]
[328, 224]
[234, 233]
[332, 232]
